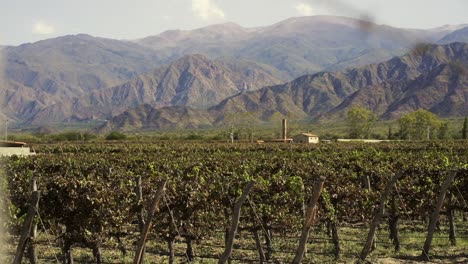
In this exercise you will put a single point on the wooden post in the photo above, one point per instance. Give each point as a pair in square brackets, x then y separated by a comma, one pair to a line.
[258, 243]
[27, 226]
[235, 222]
[393, 219]
[170, 245]
[376, 221]
[32, 239]
[336, 239]
[435, 215]
[140, 212]
[139, 194]
[309, 220]
[450, 216]
[144, 235]
[367, 185]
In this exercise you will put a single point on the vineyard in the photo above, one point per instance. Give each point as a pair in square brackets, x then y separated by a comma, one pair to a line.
[372, 201]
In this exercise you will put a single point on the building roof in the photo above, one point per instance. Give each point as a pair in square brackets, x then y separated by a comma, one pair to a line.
[309, 135]
[11, 144]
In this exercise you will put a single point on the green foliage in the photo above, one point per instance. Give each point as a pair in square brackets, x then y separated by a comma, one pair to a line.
[360, 122]
[194, 137]
[420, 125]
[443, 131]
[66, 136]
[115, 135]
[24, 138]
[89, 188]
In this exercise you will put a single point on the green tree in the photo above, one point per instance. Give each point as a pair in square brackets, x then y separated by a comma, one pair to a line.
[443, 131]
[360, 121]
[390, 133]
[114, 135]
[465, 129]
[419, 125]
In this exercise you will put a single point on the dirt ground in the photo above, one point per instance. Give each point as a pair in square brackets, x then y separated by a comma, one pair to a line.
[453, 260]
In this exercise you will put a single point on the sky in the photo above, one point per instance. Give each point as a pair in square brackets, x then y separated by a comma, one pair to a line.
[23, 21]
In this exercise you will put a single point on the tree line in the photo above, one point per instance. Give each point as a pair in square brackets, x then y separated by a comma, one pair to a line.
[417, 125]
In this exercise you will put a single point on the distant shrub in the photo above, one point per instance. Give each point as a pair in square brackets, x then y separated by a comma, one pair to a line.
[218, 137]
[24, 138]
[164, 137]
[114, 135]
[88, 136]
[72, 135]
[194, 137]
[69, 136]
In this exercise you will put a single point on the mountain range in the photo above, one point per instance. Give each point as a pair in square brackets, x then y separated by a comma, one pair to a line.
[299, 45]
[79, 78]
[460, 35]
[432, 77]
[192, 80]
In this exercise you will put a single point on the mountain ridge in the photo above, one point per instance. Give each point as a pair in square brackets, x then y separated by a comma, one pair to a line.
[193, 80]
[431, 77]
[49, 79]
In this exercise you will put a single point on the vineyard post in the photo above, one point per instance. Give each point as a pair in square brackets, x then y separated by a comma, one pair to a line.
[32, 239]
[450, 215]
[435, 215]
[258, 241]
[393, 224]
[376, 221]
[235, 222]
[140, 211]
[336, 239]
[27, 226]
[268, 242]
[367, 185]
[308, 221]
[154, 207]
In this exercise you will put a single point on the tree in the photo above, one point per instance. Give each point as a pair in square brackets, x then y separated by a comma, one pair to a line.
[443, 131]
[465, 129]
[360, 121]
[240, 124]
[419, 125]
[114, 135]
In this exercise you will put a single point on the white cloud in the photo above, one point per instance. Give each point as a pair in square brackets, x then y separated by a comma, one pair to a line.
[304, 9]
[43, 28]
[206, 10]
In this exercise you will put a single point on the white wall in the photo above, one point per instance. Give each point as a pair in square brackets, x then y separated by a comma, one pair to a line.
[9, 151]
[313, 140]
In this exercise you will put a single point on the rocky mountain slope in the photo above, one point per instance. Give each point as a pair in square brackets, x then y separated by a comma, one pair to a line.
[41, 74]
[81, 77]
[432, 77]
[460, 35]
[193, 81]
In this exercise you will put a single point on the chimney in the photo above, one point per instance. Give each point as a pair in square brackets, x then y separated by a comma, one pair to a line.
[285, 128]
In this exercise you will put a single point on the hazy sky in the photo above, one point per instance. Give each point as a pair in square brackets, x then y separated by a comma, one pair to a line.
[31, 20]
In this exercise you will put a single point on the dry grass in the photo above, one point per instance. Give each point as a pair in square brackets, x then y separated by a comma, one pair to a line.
[320, 248]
